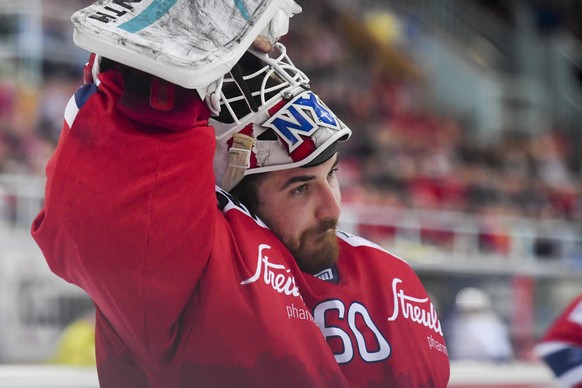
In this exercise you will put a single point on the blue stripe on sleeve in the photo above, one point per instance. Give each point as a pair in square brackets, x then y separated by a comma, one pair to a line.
[83, 93]
[564, 360]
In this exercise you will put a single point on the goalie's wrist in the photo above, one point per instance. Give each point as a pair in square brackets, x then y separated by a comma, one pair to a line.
[153, 101]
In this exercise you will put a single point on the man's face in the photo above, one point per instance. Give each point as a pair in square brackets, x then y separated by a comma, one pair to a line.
[302, 206]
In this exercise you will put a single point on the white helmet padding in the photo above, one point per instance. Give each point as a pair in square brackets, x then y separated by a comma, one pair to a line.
[270, 120]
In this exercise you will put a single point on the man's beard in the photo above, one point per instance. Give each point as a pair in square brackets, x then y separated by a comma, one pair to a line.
[317, 248]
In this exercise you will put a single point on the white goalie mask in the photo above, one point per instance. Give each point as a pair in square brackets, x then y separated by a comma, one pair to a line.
[270, 120]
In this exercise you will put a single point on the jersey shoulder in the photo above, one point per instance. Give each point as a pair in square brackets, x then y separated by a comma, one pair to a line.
[232, 207]
[361, 242]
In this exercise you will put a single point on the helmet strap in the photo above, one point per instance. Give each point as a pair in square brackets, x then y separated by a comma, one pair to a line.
[240, 81]
[239, 160]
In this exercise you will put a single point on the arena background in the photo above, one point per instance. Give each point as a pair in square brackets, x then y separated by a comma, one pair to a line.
[465, 162]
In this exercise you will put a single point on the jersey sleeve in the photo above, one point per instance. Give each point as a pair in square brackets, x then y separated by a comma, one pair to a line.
[129, 207]
[561, 346]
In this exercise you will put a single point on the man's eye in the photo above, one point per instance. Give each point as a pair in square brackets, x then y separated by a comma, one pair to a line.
[300, 189]
[332, 173]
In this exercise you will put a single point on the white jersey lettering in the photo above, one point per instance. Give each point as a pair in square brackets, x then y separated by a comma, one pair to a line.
[276, 275]
[414, 309]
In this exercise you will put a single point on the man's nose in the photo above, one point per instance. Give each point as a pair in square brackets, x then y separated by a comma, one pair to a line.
[329, 203]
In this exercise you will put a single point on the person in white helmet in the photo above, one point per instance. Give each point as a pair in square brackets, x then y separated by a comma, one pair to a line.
[131, 214]
[476, 332]
[145, 210]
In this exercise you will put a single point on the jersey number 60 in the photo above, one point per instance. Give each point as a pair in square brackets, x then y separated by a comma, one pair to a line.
[381, 348]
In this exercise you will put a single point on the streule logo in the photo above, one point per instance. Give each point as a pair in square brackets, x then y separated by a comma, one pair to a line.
[418, 310]
[276, 275]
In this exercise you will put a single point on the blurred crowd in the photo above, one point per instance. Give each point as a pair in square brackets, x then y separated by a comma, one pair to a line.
[403, 155]
[406, 155]
[31, 104]
[30, 123]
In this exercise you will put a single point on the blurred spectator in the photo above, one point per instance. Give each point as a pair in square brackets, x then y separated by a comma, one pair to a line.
[475, 331]
[52, 101]
[76, 345]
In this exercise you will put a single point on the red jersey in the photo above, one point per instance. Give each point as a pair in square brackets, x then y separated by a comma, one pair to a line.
[189, 293]
[561, 346]
[185, 296]
[373, 311]
[378, 318]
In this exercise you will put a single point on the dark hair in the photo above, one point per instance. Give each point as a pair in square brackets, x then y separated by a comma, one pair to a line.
[247, 191]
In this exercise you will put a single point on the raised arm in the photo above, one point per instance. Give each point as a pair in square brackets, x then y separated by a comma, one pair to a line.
[130, 201]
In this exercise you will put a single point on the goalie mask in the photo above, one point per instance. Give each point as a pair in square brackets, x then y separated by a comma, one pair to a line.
[270, 120]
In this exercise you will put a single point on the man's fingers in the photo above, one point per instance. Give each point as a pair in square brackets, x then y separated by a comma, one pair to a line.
[263, 44]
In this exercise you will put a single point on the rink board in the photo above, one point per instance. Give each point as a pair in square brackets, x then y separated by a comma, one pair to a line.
[463, 375]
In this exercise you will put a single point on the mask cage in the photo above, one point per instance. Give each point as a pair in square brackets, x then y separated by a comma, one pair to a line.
[258, 80]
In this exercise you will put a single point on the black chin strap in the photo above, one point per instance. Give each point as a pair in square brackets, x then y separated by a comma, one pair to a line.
[238, 78]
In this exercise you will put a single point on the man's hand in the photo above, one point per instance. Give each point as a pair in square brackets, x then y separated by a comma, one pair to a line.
[277, 27]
